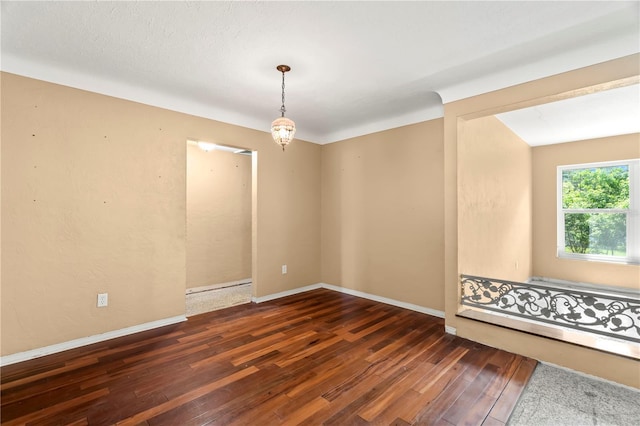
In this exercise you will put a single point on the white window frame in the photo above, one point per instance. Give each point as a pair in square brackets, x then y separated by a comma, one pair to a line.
[633, 214]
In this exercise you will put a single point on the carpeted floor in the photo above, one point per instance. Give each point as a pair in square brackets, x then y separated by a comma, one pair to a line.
[558, 397]
[220, 298]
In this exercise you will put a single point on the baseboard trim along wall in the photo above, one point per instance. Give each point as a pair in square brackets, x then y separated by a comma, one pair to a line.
[285, 293]
[84, 341]
[393, 302]
[450, 330]
[218, 286]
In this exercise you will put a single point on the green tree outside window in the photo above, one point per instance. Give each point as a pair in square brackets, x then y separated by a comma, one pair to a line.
[592, 200]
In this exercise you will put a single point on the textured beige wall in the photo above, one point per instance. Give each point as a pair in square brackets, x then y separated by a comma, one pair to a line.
[382, 214]
[608, 366]
[494, 201]
[94, 200]
[546, 159]
[218, 217]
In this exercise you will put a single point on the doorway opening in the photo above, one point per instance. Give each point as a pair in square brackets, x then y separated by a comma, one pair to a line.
[220, 198]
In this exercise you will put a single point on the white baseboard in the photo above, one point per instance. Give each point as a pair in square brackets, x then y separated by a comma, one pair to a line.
[84, 341]
[386, 300]
[217, 286]
[450, 330]
[285, 293]
[405, 305]
[72, 344]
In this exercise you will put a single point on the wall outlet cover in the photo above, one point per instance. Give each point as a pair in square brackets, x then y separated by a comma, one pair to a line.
[103, 300]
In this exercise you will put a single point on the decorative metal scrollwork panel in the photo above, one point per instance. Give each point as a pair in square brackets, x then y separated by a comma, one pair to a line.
[607, 315]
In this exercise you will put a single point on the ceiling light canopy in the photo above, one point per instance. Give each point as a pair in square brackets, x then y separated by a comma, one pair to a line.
[283, 128]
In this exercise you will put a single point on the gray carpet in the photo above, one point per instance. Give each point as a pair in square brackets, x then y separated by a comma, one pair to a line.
[558, 397]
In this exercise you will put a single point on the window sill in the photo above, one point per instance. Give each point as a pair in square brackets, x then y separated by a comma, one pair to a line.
[600, 259]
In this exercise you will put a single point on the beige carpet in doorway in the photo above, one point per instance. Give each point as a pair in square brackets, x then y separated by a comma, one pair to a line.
[218, 298]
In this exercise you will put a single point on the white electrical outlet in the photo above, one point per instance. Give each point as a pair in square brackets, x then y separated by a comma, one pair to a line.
[103, 299]
[284, 269]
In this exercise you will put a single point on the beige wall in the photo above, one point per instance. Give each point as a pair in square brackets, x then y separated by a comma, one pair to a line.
[382, 214]
[94, 200]
[546, 159]
[218, 217]
[108, 178]
[612, 367]
[494, 201]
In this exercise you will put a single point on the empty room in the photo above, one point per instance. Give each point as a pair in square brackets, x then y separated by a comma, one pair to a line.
[345, 213]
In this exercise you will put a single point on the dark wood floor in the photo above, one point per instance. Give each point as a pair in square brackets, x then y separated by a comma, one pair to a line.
[319, 357]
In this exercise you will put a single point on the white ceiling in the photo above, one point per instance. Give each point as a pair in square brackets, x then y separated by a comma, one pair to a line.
[357, 67]
[607, 113]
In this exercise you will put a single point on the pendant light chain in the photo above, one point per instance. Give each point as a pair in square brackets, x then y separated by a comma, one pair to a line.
[282, 108]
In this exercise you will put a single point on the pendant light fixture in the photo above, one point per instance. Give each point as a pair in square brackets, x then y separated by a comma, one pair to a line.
[282, 128]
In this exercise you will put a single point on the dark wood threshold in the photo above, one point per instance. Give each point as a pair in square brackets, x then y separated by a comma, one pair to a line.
[319, 357]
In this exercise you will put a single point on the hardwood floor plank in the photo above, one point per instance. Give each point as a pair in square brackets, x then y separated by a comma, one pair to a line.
[355, 322]
[505, 404]
[399, 422]
[156, 379]
[67, 421]
[187, 397]
[327, 375]
[305, 411]
[273, 386]
[73, 379]
[304, 393]
[246, 348]
[265, 411]
[374, 326]
[176, 384]
[398, 345]
[347, 396]
[378, 404]
[225, 402]
[405, 406]
[347, 414]
[441, 369]
[319, 357]
[408, 405]
[506, 364]
[407, 356]
[47, 374]
[477, 412]
[468, 399]
[490, 421]
[251, 355]
[32, 367]
[122, 404]
[43, 413]
[310, 350]
[445, 399]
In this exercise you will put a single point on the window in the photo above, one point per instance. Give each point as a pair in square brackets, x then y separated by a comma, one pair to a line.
[599, 211]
